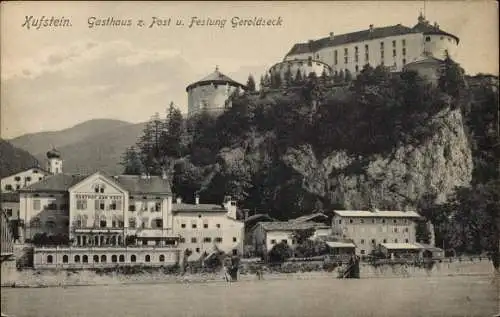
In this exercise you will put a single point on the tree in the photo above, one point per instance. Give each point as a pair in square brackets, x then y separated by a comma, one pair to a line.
[149, 146]
[348, 76]
[131, 162]
[302, 235]
[279, 253]
[451, 77]
[250, 83]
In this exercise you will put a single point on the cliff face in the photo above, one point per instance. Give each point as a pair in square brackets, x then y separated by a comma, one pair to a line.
[437, 166]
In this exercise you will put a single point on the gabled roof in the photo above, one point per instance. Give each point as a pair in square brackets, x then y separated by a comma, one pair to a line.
[310, 217]
[215, 78]
[55, 183]
[182, 207]
[136, 184]
[289, 226]
[377, 213]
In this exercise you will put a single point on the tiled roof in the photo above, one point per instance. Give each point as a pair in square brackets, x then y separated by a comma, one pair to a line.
[309, 217]
[217, 78]
[400, 246]
[365, 35]
[288, 226]
[197, 207]
[58, 182]
[377, 213]
[342, 39]
[136, 184]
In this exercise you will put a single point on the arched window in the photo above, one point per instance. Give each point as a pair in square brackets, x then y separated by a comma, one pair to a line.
[132, 258]
[85, 259]
[120, 240]
[122, 258]
[114, 259]
[148, 258]
[65, 258]
[103, 258]
[96, 259]
[49, 258]
[77, 259]
[162, 258]
[96, 240]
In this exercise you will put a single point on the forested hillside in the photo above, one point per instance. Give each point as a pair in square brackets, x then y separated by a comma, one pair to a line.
[14, 160]
[384, 140]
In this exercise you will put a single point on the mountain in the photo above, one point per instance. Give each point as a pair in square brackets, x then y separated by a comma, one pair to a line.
[99, 152]
[13, 159]
[38, 143]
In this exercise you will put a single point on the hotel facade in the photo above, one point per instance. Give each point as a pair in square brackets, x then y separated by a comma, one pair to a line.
[107, 220]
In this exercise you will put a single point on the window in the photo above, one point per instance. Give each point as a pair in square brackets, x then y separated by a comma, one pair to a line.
[218, 239]
[205, 225]
[346, 59]
[114, 259]
[385, 240]
[131, 222]
[273, 241]
[350, 221]
[357, 68]
[282, 241]
[362, 241]
[102, 223]
[394, 53]
[81, 204]
[235, 252]
[362, 251]
[101, 190]
[85, 259]
[193, 226]
[367, 57]
[234, 239]
[335, 57]
[18, 186]
[36, 204]
[96, 189]
[49, 258]
[404, 61]
[427, 38]
[361, 220]
[158, 207]
[395, 240]
[76, 259]
[382, 56]
[159, 223]
[112, 205]
[27, 178]
[403, 42]
[374, 241]
[193, 240]
[96, 259]
[394, 43]
[183, 225]
[373, 220]
[131, 208]
[406, 229]
[340, 221]
[121, 258]
[207, 239]
[144, 242]
[162, 258]
[197, 250]
[40, 178]
[394, 221]
[8, 187]
[147, 258]
[17, 178]
[218, 225]
[9, 212]
[182, 240]
[383, 220]
[404, 51]
[406, 240]
[381, 45]
[133, 258]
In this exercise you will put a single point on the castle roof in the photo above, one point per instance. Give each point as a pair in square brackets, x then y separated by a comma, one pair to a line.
[215, 78]
[369, 34]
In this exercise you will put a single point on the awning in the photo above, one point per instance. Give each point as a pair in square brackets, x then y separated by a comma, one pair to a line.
[400, 246]
[337, 244]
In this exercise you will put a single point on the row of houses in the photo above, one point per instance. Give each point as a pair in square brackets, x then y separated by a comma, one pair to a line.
[99, 220]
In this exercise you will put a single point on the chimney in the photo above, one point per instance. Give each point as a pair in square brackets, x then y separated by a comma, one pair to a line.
[178, 200]
[371, 28]
[331, 36]
[230, 206]
[197, 199]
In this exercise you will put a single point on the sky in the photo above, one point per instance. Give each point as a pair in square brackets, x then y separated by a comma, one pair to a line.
[53, 78]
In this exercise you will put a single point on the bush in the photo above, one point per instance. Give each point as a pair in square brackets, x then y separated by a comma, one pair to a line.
[279, 253]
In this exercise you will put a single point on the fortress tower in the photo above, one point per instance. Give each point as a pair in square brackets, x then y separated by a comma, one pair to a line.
[211, 93]
[54, 162]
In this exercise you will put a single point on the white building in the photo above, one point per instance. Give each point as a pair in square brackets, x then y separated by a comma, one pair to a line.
[211, 93]
[392, 46]
[117, 214]
[375, 229]
[22, 179]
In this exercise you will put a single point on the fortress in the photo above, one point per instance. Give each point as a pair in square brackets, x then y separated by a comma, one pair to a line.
[395, 47]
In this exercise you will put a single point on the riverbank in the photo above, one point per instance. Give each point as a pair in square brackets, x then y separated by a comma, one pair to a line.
[62, 278]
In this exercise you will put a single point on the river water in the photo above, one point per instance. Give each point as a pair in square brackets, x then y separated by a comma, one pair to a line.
[324, 296]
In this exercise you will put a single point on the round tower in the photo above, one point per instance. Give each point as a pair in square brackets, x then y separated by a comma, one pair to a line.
[211, 93]
[54, 162]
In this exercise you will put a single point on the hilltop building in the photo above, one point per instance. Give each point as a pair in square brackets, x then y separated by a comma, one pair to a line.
[104, 220]
[211, 93]
[377, 230]
[391, 46]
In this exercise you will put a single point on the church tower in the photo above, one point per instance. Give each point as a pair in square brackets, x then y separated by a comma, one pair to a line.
[54, 162]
